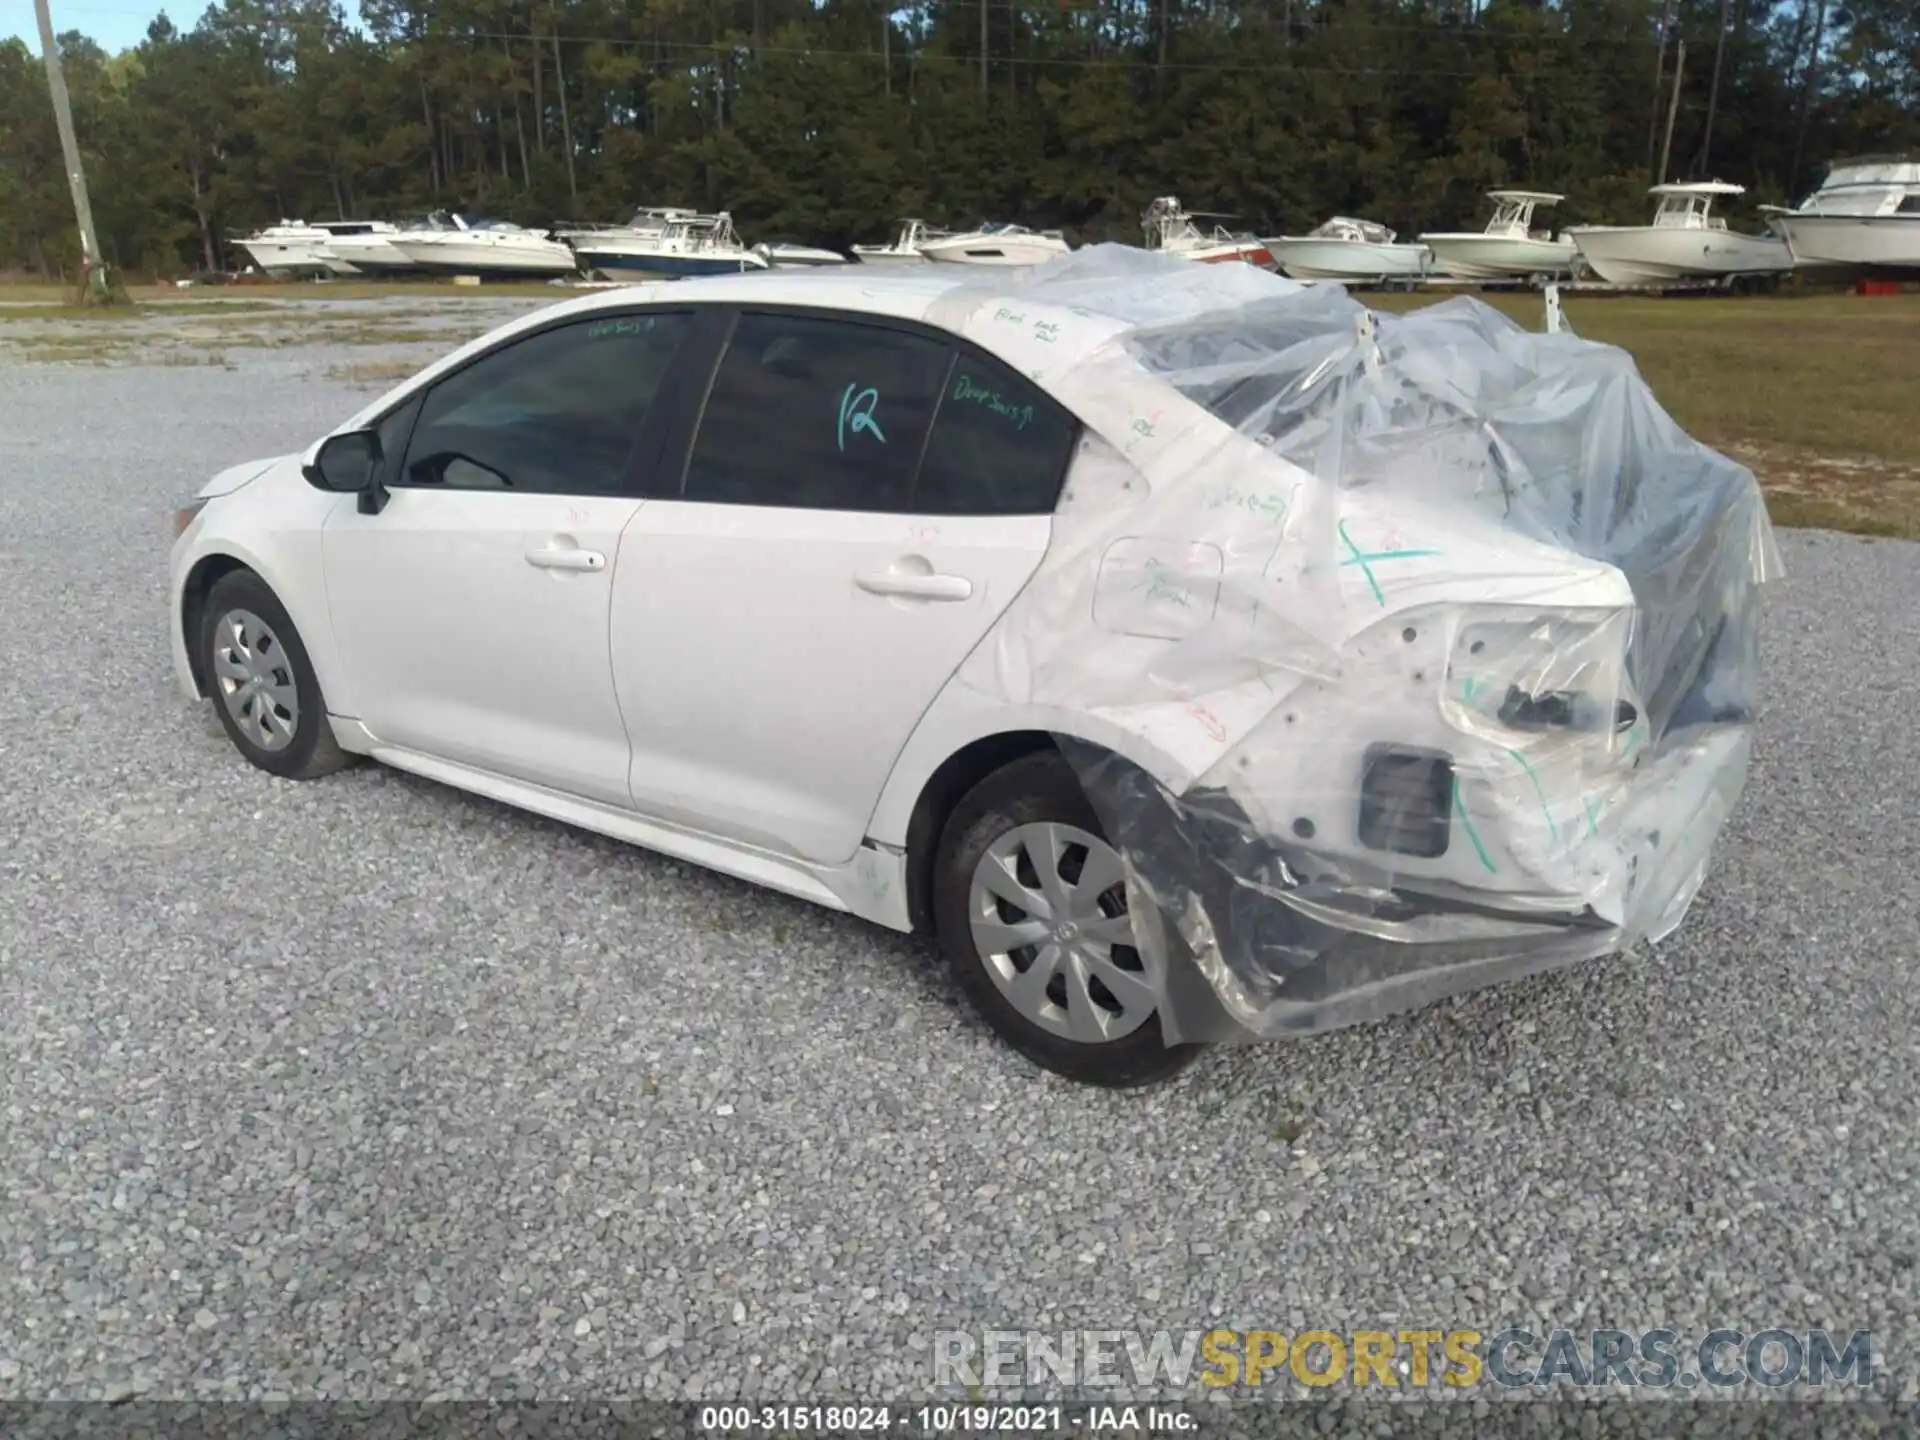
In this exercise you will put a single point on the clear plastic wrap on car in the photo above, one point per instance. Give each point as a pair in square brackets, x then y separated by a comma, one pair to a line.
[1406, 653]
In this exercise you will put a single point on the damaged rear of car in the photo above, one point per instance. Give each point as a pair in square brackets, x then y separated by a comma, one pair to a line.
[1447, 632]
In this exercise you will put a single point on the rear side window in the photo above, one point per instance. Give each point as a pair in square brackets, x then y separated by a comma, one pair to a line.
[816, 413]
[1000, 446]
[556, 413]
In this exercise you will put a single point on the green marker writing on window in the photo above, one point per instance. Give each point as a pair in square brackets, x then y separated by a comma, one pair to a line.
[604, 328]
[966, 388]
[856, 414]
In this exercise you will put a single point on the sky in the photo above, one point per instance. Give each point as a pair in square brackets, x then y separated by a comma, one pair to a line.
[115, 24]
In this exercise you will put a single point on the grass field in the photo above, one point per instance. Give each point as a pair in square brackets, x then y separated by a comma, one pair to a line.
[1815, 393]
[28, 292]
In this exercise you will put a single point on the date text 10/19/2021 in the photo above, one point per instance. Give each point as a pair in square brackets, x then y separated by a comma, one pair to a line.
[943, 1419]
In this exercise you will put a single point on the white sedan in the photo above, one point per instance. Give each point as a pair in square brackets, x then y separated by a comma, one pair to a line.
[921, 599]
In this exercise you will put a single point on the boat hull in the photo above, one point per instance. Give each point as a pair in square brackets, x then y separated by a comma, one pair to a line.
[800, 257]
[369, 254]
[1249, 252]
[1870, 242]
[992, 250]
[1498, 257]
[673, 267]
[1649, 255]
[865, 256]
[504, 261]
[1311, 258]
[284, 257]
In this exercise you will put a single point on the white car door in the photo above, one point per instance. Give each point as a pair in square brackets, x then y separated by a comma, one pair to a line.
[861, 501]
[471, 611]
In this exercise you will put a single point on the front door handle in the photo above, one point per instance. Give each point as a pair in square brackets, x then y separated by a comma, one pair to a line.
[567, 559]
[917, 587]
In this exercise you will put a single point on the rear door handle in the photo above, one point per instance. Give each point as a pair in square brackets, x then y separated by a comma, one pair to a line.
[567, 559]
[918, 587]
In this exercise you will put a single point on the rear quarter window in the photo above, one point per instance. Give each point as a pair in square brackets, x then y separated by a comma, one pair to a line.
[999, 444]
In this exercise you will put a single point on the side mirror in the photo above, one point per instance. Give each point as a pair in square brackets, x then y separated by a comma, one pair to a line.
[350, 463]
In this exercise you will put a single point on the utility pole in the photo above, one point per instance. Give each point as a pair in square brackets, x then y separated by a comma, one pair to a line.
[1673, 109]
[1808, 79]
[1713, 94]
[1659, 78]
[93, 271]
[983, 51]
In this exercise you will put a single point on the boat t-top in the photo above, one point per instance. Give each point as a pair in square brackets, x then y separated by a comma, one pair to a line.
[1000, 244]
[1508, 247]
[1350, 250]
[1686, 241]
[1866, 214]
[1174, 231]
[905, 246]
[647, 220]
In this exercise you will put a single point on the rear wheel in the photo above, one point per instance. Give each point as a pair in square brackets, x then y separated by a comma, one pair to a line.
[1030, 908]
[263, 686]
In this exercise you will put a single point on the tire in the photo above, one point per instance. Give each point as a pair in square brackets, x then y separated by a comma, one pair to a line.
[1035, 805]
[250, 649]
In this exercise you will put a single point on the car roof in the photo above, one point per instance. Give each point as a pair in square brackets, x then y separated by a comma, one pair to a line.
[857, 288]
[1044, 320]
[884, 294]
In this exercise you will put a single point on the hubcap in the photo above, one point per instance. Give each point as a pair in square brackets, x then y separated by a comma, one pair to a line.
[1049, 914]
[256, 680]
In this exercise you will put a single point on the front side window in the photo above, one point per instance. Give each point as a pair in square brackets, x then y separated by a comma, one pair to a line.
[346, 460]
[999, 446]
[816, 413]
[556, 413]
[393, 432]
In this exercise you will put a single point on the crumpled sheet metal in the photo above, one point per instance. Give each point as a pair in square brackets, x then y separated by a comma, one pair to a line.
[1298, 531]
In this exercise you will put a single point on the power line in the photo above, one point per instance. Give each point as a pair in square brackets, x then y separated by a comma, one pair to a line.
[1040, 9]
[447, 43]
[725, 47]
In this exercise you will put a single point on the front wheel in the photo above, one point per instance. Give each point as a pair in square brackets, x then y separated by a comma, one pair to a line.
[262, 682]
[1030, 909]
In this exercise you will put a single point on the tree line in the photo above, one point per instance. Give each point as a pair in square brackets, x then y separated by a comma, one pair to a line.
[824, 122]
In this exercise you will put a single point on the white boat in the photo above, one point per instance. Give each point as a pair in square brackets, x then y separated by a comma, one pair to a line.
[905, 248]
[798, 257]
[1686, 241]
[685, 245]
[647, 220]
[495, 248]
[372, 251]
[997, 245]
[1174, 231]
[1866, 214]
[365, 252]
[294, 247]
[1355, 251]
[1509, 246]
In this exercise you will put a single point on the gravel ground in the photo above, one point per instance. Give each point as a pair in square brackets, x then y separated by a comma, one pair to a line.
[368, 1088]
